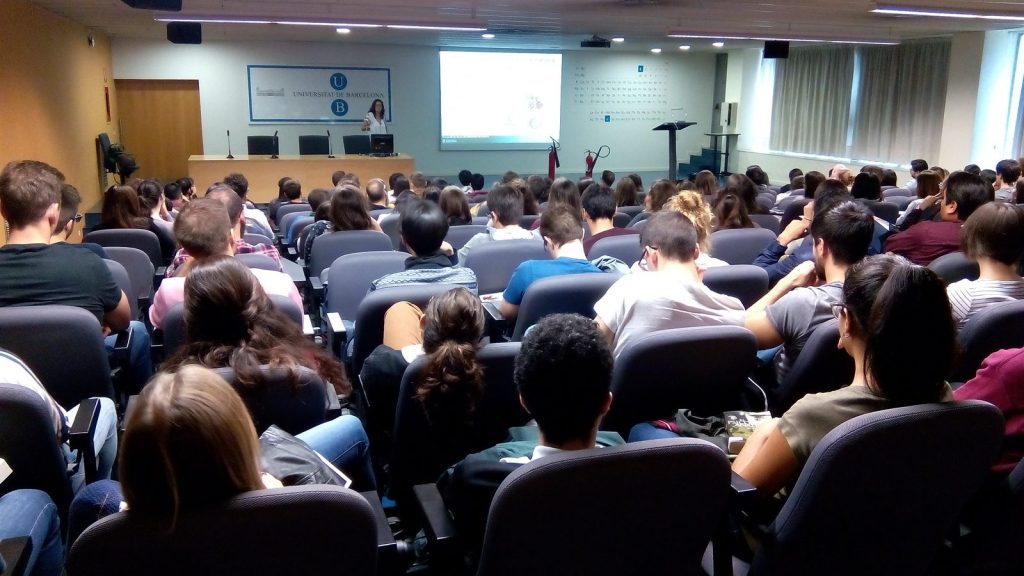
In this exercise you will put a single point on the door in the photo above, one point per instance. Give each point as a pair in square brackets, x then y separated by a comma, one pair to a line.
[161, 125]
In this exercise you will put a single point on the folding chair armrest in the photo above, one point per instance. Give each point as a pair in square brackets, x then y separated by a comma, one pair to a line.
[387, 547]
[438, 525]
[122, 345]
[307, 326]
[334, 330]
[333, 403]
[158, 276]
[742, 493]
[316, 288]
[80, 436]
[497, 325]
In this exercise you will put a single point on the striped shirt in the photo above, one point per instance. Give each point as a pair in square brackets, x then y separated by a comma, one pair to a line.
[241, 247]
[968, 297]
[14, 371]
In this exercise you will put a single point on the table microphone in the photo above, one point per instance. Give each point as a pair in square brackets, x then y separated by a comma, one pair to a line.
[330, 153]
[230, 157]
[276, 148]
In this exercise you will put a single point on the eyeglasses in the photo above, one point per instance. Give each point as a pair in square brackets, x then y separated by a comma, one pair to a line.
[77, 218]
[838, 309]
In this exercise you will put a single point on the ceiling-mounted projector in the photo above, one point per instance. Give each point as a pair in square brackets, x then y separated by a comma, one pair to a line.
[165, 5]
[596, 42]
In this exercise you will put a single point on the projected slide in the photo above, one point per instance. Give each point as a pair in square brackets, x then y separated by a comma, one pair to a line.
[499, 100]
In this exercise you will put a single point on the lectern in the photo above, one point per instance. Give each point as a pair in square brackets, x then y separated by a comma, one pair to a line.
[673, 127]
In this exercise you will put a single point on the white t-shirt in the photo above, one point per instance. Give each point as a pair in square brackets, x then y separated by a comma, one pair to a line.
[968, 297]
[645, 302]
[376, 126]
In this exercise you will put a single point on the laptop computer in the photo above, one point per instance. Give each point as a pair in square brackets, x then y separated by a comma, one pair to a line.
[382, 144]
[356, 144]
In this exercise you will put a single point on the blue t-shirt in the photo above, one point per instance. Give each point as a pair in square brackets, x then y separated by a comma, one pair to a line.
[532, 270]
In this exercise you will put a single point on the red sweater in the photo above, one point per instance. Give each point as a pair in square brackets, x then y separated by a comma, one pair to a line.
[925, 241]
[1000, 382]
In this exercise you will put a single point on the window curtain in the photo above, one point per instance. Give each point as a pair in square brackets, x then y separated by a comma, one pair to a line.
[1018, 135]
[811, 110]
[902, 98]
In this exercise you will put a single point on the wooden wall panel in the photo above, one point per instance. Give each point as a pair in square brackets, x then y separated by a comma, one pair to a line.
[161, 125]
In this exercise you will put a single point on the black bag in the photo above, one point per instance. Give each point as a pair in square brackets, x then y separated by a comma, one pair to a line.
[294, 463]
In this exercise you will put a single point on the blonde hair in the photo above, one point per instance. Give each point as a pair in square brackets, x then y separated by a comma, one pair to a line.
[691, 204]
[189, 442]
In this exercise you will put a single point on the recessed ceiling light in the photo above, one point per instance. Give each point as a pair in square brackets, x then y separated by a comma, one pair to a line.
[786, 39]
[618, 39]
[718, 44]
[656, 50]
[344, 30]
[487, 36]
[896, 10]
[684, 47]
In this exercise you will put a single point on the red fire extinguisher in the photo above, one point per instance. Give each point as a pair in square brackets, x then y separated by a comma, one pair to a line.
[592, 158]
[553, 158]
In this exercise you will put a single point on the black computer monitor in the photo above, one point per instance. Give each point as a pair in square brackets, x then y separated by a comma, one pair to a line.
[382, 143]
[261, 145]
[356, 144]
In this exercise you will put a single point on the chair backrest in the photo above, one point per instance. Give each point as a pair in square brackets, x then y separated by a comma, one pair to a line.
[901, 202]
[820, 367]
[375, 214]
[125, 284]
[63, 345]
[526, 221]
[350, 276]
[259, 261]
[261, 145]
[608, 511]
[494, 262]
[329, 528]
[880, 492]
[293, 401]
[766, 221]
[295, 225]
[639, 217]
[139, 267]
[621, 219]
[458, 235]
[329, 247]
[625, 247]
[997, 327]
[421, 451]
[28, 443]
[130, 238]
[253, 238]
[631, 210]
[289, 208]
[785, 202]
[896, 192]
[740, 246]
[703, 369]
[568, 294]
[481, 220]
[884, 210]
[369, 330]
[954, 267]
[746, 282]
[314, 144]
[356, 144]
[390, 226]
[174, 329]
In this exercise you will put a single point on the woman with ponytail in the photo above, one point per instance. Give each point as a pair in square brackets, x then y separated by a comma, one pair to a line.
[230, 322]
[892, 313]
[449, 335]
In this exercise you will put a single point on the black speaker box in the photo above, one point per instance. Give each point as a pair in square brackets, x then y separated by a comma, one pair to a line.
[165, 5]
[185, 32]
[776, 49]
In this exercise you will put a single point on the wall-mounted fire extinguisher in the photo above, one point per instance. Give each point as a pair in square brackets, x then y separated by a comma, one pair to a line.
[553, 158]
[592, 158]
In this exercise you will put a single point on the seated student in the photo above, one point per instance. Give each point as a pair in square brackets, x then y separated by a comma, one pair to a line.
[598, 212]
[916, 168]
[705, 183]
[465, 178]
[1007, 174]
[563, 374]
[34, 272]
[608, 178]
[276, 202]
[793, 174]
[255, 219]
[506, 206]
[731, 213]
[68, 218]
[658, 195]
[691, 203]
[204, 231]
[121, 210]
[292, 191]
[455, 206]
[348, 212]
[925, 241]
[153, 203]
[30, 512]
[994, 237]
[175, 197]
[423, 227]
[233, 203]
[448, 331]
[801, 301]
[891, 311]
[476, 186]
[743, 188]
[562, 232]
[928, 184]
[14, 371]
[377, 194]
[999, 381]
[671, 295]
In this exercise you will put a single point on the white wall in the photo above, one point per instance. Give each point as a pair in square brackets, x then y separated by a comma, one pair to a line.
[995, 87]
[220, 68]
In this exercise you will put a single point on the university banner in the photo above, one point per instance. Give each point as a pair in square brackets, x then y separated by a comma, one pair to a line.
[308, 94]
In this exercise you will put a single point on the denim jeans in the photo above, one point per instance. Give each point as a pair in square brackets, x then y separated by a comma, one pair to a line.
[104, 443]
[645, 431]
[140, 361]
[99, 499]
[32, 513]
[343, 442]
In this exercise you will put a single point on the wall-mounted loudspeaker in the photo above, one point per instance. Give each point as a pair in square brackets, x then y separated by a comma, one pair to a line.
[185, 32]
[166, 5]
[776, 49]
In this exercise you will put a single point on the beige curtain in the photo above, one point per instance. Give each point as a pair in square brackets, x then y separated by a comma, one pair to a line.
[901, 101]
[811, 110]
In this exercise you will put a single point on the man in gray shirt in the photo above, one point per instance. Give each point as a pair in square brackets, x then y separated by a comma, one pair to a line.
[803, 299]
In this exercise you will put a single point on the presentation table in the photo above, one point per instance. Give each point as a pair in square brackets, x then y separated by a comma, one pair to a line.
[263, 172]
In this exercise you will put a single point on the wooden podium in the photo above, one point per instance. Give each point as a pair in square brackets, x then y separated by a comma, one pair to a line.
[673, 127]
